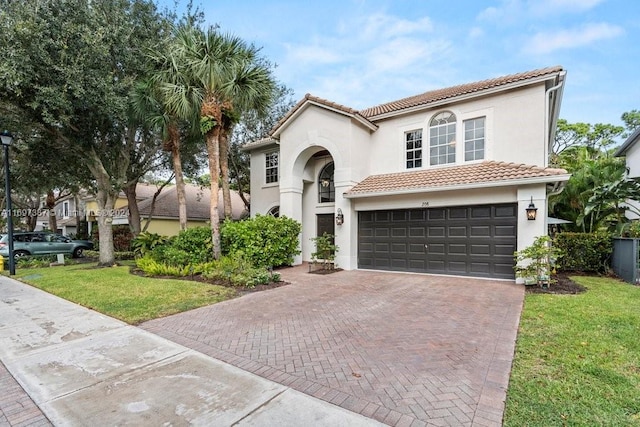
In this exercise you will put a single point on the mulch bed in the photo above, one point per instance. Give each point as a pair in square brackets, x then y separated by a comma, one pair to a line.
[561, 283]
[198, 278]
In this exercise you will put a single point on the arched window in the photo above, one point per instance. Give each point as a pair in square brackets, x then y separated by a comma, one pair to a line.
[274, 211]
[326, 188]
[442, 139]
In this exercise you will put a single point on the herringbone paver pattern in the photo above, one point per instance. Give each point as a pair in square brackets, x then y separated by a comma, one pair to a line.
[407, 350]
[16, 407]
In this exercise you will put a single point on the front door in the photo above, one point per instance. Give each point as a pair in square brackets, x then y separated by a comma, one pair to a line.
[325, 224]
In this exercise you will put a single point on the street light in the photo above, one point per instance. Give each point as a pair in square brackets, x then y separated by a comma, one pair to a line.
[6, 138]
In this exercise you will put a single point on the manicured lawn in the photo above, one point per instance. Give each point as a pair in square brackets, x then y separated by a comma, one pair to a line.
[117, 293]
[578, 358]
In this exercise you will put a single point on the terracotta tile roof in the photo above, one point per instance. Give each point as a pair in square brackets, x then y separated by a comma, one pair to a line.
[472, 175]
[450, 92]
[197, 204]
[368, 115]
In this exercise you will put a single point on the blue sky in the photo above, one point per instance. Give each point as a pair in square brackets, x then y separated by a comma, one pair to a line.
[362, 53]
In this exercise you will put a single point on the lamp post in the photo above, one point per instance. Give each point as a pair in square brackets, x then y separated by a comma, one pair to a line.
[6, 138]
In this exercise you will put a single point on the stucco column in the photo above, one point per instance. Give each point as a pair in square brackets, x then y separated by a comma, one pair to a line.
[291, 207]
[345, 258]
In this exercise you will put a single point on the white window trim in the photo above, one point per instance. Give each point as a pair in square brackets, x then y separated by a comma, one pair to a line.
[265, 168]
[66, 209]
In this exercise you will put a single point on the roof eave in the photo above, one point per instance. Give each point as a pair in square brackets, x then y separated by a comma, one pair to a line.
[255, 146]
[282, 126]
[487, 184]
[464, 97]
[635, 137]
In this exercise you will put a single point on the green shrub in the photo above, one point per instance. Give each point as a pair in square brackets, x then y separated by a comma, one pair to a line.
[145, 242]
[170, 255]
[122, 238]
[535, 263]
[196, 243]
[264, 240]
[239, 272]
[588, 252]
[152, 267]
[37, 261]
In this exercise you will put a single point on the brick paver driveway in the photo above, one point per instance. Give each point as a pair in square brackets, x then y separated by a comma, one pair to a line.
[403, 349]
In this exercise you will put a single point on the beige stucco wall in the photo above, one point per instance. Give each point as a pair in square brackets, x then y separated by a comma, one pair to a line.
[514, 132]
[170, 227]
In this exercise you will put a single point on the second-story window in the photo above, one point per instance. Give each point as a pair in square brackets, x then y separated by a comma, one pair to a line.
[271, 167]
[474, 139]
[442, 139]
[65, 209]
[326, 187]
[413, 141]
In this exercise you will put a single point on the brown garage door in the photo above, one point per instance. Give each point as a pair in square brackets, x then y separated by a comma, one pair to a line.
[474, 241]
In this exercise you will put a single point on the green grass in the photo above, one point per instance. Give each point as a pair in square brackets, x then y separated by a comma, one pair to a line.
[577, 358]
[117, 293]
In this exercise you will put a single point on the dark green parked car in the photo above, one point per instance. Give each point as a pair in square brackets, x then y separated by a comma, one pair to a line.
[42, 243]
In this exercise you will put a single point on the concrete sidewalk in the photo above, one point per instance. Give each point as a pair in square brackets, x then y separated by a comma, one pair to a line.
[83, 368]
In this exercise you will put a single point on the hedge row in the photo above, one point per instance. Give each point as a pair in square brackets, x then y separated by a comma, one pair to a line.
[587, 252]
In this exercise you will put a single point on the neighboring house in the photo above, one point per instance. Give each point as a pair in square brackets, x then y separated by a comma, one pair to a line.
[631, 150]
[69, 212]
[434, 183]
[164, 219]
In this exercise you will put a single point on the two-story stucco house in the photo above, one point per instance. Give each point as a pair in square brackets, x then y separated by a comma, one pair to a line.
[630, 149]
[434, 183]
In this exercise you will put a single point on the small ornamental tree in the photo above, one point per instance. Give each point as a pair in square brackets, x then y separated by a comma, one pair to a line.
[534, 263]
[326, 250]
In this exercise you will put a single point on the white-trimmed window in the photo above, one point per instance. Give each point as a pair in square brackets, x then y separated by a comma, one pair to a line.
[474, 139]
[413, 147]
[442, 139]
[326, 186]
[274, 211]
[65, 209]
[271, 167]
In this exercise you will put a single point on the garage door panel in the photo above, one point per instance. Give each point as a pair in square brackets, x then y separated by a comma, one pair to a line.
[458, 231]
[436, 231]
[480, 231]
[416, 248]
[481, 212]
[398, 248]
[416, 232]
[458, 213]
[467, 240]
[506, 250]
[505, 230]
[506, 211]
[457, 249]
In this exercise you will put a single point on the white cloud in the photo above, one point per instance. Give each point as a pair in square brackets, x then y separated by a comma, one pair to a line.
[383, 26]
[312, 54]
[361, 58]
[554, 6]
[546, 42]
[476, 32]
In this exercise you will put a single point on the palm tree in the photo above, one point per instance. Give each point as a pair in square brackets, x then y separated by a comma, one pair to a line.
[166, 100]
[231, 78]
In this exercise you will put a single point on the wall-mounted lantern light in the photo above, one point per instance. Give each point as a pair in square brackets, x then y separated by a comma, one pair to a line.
[532, 211]
[339, 217]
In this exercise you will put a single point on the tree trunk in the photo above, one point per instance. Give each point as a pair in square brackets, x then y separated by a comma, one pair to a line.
[213, 154]
[174, 136]
[50, 203]
[106, 198]
[224, 171]
[133, 214]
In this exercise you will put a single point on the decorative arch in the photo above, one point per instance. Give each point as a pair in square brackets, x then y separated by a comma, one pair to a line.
[274, 211]
[442, 138]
